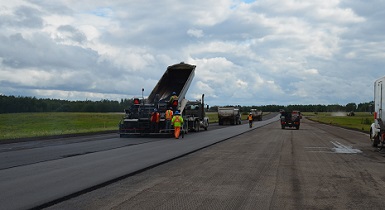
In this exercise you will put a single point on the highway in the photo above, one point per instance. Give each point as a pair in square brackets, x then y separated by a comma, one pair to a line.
[226, 167]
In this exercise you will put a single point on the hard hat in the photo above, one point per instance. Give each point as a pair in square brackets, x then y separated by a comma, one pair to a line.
[155, 110]
[173, 93]
[170, 107]
[176, 112]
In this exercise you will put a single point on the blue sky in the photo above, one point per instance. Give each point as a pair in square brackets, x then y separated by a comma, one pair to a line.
[246, 52]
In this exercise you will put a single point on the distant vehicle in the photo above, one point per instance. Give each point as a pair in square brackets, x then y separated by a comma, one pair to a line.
[229, 115]
[257, 114]
[290, 119]
[377, 129]
[351, 114]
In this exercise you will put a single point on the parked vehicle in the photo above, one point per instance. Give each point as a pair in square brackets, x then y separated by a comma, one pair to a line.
[257, 114]
[377, 129]
[290, 119]
[194, 115]
[229, 115]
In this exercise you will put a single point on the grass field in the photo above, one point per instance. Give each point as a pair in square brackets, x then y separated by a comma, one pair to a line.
[361, 121]
[25, 125]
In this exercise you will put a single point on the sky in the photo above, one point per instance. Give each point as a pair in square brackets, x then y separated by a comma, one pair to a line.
[248, 53]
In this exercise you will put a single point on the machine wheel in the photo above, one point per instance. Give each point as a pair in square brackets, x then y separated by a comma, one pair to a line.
[206, 125]
[374, 140]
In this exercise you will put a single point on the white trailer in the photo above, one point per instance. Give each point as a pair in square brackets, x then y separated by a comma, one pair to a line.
[377, 129]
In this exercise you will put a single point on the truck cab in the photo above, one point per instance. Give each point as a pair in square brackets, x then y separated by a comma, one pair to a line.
[194, 115]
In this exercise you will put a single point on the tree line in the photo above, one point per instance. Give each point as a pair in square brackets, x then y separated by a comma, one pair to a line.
[17, 104]
[13, 104]
[350, 107]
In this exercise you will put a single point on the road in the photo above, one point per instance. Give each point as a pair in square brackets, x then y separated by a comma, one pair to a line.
[315, 167]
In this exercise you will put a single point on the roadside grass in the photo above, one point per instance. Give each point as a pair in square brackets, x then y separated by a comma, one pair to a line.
[26, 125]
[361, 121]
[213, 117]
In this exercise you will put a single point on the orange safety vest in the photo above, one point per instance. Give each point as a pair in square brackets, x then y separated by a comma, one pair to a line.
[250, 117]
[155, 117]
[169, 114]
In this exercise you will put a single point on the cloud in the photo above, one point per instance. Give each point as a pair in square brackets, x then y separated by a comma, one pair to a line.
[246, 52]
[195, 33]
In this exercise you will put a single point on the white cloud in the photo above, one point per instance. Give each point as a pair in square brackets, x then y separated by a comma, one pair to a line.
[260, 52]
[195, 33]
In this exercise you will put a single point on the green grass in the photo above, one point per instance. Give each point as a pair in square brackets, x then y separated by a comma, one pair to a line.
[361, 121]
[23, 125]
[213, 117]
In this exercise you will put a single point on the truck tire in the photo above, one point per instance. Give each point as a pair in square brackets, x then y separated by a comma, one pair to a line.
[374, 140]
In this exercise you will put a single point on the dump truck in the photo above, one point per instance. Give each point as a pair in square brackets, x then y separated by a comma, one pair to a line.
[377, 129]
[290, 119]
[136, 121]
[257, 114]
[229, 115]
[194, 115]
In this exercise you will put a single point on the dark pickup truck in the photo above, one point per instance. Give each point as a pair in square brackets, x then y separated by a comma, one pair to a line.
[290, 119]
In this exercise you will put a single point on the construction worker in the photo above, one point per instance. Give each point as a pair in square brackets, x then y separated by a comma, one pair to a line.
[250, 118]
[173, 97]
[171, 101]
[177, 122]
[168, 116]
[154, 121]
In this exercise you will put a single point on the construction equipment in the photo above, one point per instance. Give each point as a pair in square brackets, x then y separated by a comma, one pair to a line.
[136, 122]
[257, 114]
[229, 115]
[377, 129]
[194, 115]
[290, 119]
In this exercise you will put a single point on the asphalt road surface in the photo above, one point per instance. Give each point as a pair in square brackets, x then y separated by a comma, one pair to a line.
[315, 167]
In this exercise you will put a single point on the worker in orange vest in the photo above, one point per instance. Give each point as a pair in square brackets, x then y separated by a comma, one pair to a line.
[168, 116]
[177, 122]
[154, 120]
[250, 118]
